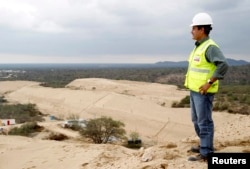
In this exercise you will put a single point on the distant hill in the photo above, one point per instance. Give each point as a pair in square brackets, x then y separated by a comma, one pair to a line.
[231, 62]
[172, 64]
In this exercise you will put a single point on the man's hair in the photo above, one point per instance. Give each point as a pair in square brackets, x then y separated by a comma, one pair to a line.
[207, 28]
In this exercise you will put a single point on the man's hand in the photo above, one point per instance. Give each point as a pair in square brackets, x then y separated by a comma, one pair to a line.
[203, 89]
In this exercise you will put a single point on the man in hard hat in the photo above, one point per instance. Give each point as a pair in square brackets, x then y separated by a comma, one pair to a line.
[207, 65]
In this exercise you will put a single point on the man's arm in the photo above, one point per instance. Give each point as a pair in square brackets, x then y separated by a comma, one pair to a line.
[214, 55]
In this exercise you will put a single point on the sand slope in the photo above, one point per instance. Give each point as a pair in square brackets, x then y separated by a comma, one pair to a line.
[143, 107]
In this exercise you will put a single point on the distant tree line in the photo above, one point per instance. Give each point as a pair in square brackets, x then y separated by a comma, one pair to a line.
[59, 77]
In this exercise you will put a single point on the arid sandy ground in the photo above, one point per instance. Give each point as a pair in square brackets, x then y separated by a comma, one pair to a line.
[167, 133]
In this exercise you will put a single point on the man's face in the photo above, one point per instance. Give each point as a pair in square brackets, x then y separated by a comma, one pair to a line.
[197, 33]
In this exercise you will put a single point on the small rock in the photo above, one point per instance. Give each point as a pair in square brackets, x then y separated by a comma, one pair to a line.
[141, 151]
[147, 156]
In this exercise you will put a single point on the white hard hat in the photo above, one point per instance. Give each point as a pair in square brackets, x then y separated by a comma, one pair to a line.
[202, 19]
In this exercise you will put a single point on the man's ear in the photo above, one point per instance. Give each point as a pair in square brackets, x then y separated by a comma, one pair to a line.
[203, 29]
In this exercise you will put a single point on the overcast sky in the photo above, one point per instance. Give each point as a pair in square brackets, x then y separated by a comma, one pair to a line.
[116, 31]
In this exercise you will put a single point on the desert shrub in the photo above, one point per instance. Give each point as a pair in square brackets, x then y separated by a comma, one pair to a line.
[102, 129]
[26, 129]
[134, 135]
[185, 102]
[221, 106]
[244, 110]
[57, 136]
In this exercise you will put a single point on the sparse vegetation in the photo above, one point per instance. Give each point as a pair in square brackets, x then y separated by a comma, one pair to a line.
[26, 129]
[102, 129]
[232, 98]
[20, 112]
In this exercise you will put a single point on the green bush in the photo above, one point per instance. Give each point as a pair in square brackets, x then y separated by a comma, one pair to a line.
[102, 129]
[26, 129]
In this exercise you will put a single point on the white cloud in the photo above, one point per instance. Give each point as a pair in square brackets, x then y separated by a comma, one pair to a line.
[21, 15]
[102, 28]
[16, 15]
[84, 14]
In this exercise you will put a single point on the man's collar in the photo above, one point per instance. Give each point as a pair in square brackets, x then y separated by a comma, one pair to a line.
[197, 43]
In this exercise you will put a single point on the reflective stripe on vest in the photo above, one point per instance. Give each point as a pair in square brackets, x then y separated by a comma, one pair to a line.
[199, 70]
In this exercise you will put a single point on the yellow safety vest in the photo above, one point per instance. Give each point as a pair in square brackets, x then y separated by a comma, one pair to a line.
[199, 70]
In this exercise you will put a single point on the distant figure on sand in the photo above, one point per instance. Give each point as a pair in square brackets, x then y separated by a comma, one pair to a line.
[207, 65]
